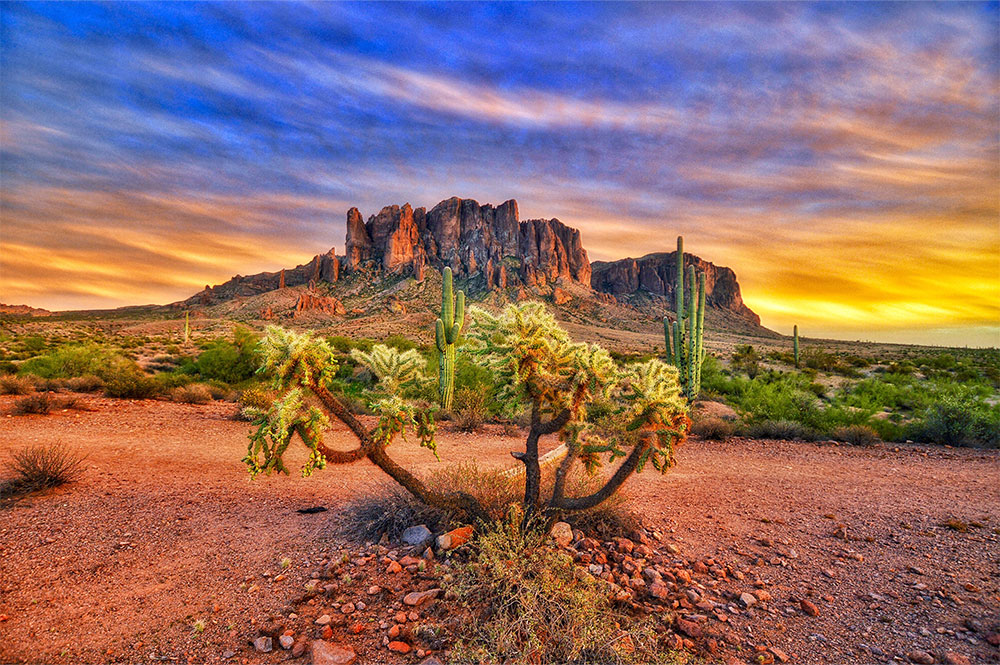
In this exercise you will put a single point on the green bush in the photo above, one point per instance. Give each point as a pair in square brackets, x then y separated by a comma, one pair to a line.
[74, 360]
[959, 423]
[131, 384]
[193, 393]
[713, 428]
[84, 384]
[231, 362]
[470, 409]
[785, 430]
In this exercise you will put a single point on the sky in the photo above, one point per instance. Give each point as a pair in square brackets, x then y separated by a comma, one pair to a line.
[843, 159]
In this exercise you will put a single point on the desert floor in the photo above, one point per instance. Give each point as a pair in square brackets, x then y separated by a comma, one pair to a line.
[165, 528]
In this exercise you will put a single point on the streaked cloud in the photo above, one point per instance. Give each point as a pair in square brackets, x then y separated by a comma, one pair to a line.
[843, 159]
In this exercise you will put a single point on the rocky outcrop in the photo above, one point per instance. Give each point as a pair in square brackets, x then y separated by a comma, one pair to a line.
[23, 310]
[311, 302]
[470, 238]
[657, 274]
[322, 267]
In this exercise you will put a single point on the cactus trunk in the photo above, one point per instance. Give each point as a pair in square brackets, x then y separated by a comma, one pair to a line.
[685, 347]
[446, 331]
[795, 332]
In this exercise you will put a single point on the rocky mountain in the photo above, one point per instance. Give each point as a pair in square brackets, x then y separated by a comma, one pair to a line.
[656, 274]
[23, 310]
[489, 247]
[471, 239]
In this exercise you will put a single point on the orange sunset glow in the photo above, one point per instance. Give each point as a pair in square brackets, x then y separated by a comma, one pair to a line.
[843, 160]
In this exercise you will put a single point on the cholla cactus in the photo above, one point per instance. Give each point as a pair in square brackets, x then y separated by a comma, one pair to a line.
[542, 370]
[393, 368]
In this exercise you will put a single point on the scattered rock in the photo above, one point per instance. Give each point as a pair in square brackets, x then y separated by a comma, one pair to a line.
[263, 644]
[431, 660]
[689, 628]
[393, 567]
[286, 642]
[748, 599]
[415, 598]
[324, 653]
[952, 658]
[417, 535]
[323, 620]
[454, 538]
[920, 657]
[562, 533]
[374, 589]
[779, 654]
[809, 608]
[400, 647]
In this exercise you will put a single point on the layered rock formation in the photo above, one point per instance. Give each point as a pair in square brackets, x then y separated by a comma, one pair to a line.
[657, 274]
[471, 239]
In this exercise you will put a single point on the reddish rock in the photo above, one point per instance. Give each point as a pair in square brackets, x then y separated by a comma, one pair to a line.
[325, 653]
[809, 607]
[952, 658]
[689, 628]
[454, 538]
[400, 647]
[311, 302]
[417, 598]
[393, 567]
[560, 297]
[920, 658]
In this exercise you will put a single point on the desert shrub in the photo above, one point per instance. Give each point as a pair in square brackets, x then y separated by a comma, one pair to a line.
[35, 344]
[129, 383]
[786, 430]
[959, 423]
[231, 362]
[527, 604]
[84, 384]
[858, 435]
[49, 385]
[746, 359]
[470, 409]
[16, 385]
[193, 393]
[39, 467]
[74, 360]
[40, 403]
[713, 428]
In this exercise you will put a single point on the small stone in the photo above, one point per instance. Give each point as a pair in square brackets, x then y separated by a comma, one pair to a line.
[994, 639]
[430, 660]
[263, 644]
[347, 608]
[394, 631]
[809, 608]
[408, 560]
[400, 617]
[779, 654]
[400, 647]
[323, 620]
[748, 599]
[920, 657]
[417, 535]
[374, 590]
[393, 567]
[327, 632]
[562, 533]
[324, 653]
[413, 615]
[298, 649]
[360, 606]
[952, 658]
[286, 642]
[419, 597]
[595, 569]
[227, 654]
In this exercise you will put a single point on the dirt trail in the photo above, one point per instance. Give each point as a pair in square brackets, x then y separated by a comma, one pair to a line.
[165, 529]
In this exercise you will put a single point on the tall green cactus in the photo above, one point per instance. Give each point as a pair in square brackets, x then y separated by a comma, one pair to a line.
[685, 336]
[446, 331]
[795, 332]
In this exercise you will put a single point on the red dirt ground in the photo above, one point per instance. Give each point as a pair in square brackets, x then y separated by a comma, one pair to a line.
[165, 528]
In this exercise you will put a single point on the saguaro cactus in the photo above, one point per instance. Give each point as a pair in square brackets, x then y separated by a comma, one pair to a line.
[685, 346]
[795, 332]
[446, 331]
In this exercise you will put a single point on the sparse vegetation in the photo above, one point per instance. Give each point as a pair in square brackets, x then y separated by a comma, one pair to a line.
[712, 428]
[16, 385]
[193, 393]
[858, 435]
[41, 467]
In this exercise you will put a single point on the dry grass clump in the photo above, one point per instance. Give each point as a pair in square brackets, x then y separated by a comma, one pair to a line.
[11, 384]
[88, 383]
[858, 435]
[40, 467]
[470, 409]
[526, 603]
[713, 428]
[192, 393]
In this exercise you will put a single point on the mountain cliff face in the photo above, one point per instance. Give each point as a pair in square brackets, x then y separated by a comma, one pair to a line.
[532, 256]
[471, 239]
[657, 274]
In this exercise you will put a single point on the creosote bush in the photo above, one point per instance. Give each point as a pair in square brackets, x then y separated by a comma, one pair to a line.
[470, 409]
[786, 430]
[39, 467]
[526, 602]
[713, 428]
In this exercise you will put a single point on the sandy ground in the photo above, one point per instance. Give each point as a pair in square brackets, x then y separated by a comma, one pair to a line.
[165, 528]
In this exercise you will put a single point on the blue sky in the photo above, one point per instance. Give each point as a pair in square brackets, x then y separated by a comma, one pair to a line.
[842, 158]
